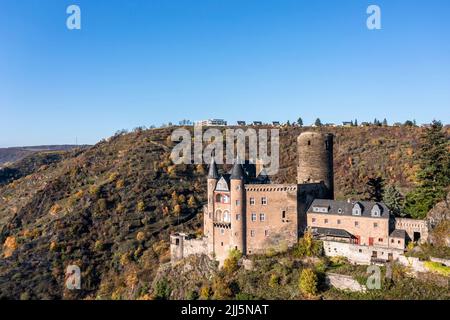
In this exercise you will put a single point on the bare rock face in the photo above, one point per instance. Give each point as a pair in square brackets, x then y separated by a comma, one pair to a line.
[439, 218]
[440, 212]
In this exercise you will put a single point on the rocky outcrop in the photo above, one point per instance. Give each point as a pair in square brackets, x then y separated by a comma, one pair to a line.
[343, 282]
[440, 212]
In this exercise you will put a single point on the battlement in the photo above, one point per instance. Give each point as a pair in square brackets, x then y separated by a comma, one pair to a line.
[271, 187]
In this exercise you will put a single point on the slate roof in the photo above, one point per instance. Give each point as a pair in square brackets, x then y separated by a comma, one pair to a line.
[343, 208]
[213, 173]
[331, 232]
[398, 233]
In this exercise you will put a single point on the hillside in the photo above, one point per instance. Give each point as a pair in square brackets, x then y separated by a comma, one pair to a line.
[110, 208]
[13, 154]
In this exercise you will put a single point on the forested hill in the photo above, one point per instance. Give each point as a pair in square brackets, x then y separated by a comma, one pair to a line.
[110, 208]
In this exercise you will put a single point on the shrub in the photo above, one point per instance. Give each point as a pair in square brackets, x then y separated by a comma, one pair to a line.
[230, 264]
[205, 293]
[307, 246]
[9, 246]
[274, 280]
[308, 283]
[162, 290]
[141, 206]
[140, 236]
[192, 295]
[55, 209]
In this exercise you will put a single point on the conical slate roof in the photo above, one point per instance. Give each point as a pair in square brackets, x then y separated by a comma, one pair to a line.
[238, 172]
[213, 173]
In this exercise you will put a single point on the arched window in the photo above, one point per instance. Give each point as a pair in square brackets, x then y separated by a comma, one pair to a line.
[226, 199]
[218, 198]
[218, 215]
[226, 217]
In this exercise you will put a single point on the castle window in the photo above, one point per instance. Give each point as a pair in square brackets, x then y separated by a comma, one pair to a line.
[340, 210]
[380, 239]
[253, 216]
[238, 202]
[375, 225]
[177, 242]
[238, 217]
[309, 142]
[313, 220]
[262, 217]
[392, 240]
[252, 201]
[339, 221]
[264, 201]
[283, 214]
[252, 233]
[219, 198]
[226, 199]
[266, 233]
[356, 224]
[326, 221]
[226, 216]
[222, 231]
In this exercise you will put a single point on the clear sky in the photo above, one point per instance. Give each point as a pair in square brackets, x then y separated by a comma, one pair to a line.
[153, 61]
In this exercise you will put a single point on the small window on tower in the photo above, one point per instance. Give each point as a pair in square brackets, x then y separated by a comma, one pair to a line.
[283, 214]
[238, 217]
[252, 201]
[253, 216]
[264, 201]
[238, 202]
[252, 233]
[309, 142]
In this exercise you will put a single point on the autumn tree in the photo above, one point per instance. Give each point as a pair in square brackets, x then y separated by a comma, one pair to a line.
[374, 189]
[308, 283]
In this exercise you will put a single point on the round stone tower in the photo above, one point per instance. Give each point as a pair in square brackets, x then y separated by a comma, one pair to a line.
[237, 191]
[213, 177]
[315, 160]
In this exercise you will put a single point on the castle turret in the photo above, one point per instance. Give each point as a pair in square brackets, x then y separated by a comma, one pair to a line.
[213, 177]
[315, 160]
[238, 230]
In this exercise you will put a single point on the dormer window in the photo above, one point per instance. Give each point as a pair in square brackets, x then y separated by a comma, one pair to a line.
[357, 209]
[340, 210]
[376, 211]
[320, 209]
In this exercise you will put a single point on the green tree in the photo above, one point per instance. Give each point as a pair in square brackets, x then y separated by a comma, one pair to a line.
[434, 173]
[300, 122]
[318, 123]
[308, 283]
[385, 123]
[374, 189]
[162, 290]
[394, 200]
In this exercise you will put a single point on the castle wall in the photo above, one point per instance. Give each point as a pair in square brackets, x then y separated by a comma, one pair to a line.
[360, 254]
[411, 226]
[181, 246]
[279, 229]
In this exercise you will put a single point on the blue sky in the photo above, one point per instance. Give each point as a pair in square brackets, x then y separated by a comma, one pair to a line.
[154, 61]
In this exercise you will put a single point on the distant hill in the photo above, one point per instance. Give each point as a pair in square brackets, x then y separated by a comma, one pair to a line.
[110, 208]
[13, 154]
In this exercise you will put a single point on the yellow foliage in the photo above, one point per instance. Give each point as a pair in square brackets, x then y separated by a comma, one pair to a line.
[141, 206]
[140, 236]
[119, 184]
[177, 210]
[9, 246]
[53, 246]
[79, 194]
[94, 190]
[113, 176]
[55, 209]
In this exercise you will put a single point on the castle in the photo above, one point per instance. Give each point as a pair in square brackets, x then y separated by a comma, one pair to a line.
[246, 212]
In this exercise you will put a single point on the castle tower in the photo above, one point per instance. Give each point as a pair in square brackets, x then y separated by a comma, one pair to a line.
[315, 160]
[213, 177]
[238, 231]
